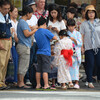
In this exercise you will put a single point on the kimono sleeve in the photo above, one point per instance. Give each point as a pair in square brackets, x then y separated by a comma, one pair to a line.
[79, 39]
[57, 49]
[57, 53]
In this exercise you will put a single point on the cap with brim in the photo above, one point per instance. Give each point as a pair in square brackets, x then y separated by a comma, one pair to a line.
[90, 7]
[33, 3]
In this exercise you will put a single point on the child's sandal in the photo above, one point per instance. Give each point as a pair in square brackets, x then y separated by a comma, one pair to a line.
[70, 86]
[64, 87]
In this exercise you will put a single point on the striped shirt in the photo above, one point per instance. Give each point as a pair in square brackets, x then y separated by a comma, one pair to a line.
[85, 29]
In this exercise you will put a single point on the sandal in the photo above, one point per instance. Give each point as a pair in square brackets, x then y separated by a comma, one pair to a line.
[40, 88]
[49, 89]
[90, 85]
[64, 87]
[24, 87]
[76, 86]
[53, 86]
[70, 86]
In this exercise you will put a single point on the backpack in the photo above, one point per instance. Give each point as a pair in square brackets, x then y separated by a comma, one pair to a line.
[32, 76]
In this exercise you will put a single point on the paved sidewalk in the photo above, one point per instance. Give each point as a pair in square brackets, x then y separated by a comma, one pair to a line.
[84, 93]
[82, 87]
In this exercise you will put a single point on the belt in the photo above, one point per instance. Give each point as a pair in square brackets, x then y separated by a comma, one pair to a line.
[5, 38]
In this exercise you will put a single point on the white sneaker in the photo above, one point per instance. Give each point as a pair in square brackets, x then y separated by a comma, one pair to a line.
[76, 86]
[28, 82]
[86, 83]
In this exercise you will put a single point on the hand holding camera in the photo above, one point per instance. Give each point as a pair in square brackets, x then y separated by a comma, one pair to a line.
[55, 29]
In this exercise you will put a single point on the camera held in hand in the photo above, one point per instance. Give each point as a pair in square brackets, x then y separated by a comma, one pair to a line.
[53, 28]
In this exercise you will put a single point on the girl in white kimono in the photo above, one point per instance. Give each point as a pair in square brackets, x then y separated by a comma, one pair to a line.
[63, 59]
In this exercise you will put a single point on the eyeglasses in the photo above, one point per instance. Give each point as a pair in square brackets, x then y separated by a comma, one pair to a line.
[5, 9]
[91, 12]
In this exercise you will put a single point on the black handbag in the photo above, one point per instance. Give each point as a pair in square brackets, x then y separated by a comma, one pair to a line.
[2, 34]
[10, 71]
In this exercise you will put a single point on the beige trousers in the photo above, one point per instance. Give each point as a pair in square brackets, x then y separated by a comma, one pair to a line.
[4, 58]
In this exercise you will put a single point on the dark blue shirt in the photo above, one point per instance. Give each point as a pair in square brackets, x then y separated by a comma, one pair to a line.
[5, 27]
[43, 37]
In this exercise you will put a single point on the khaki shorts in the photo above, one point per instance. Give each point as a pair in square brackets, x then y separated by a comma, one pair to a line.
[23, 58]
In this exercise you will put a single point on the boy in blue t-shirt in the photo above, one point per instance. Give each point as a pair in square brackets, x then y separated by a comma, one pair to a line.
[43, 37]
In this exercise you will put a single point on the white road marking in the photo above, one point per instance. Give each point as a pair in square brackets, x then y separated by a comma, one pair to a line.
[54, 92]
[50, 95]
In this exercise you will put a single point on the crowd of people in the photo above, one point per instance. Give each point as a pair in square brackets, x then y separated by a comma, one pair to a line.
[54, 46]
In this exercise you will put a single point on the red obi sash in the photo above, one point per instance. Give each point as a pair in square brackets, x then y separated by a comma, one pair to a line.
[67, 55]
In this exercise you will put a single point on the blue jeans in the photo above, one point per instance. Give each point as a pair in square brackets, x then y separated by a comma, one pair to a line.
[15, 61]
[89, 58]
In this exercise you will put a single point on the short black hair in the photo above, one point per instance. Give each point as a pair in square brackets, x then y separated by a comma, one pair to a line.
[86, 15]
[73, 4]
[25, 11]
[41, 21]
[71, 22]
[63, 33]
[73, 11]
[4, 2]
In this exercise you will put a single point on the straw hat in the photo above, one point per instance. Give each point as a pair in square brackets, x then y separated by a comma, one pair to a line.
[90, 7]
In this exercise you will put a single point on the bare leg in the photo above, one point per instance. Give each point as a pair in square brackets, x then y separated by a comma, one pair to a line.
[53, 81]
[45, 78]
[76, 82]
[70, 82]
[38, 77]
[63, 85]
[20, 80]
